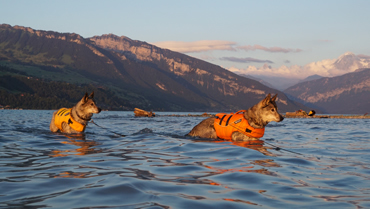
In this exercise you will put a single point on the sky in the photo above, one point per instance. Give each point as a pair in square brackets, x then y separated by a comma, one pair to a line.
[236, 34]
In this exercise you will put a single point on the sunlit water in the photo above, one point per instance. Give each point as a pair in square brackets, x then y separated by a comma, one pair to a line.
[156, 166]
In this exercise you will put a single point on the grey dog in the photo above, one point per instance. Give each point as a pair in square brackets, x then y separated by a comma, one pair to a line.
[75, 119]
[257, 117]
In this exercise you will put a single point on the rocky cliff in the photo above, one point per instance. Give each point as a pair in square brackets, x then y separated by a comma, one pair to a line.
[146, 75]
[201, 74]
[349, 93]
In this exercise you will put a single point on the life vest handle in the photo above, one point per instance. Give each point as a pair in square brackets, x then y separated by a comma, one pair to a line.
[240, 111]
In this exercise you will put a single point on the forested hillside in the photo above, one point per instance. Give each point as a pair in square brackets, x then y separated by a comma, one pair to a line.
[134, 73]
[33, 93]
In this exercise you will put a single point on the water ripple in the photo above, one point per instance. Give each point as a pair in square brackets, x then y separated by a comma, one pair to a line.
[156, 166]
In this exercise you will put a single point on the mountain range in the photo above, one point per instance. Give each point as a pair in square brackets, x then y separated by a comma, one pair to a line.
[348, 93]
[136, 72]
[345, 63]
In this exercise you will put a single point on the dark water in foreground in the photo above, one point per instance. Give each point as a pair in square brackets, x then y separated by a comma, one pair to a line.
[155, 166]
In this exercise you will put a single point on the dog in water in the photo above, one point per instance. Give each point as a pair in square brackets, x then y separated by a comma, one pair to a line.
[75, 119]
[245, 125]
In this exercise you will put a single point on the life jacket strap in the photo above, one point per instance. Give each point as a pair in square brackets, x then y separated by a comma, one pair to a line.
[228, 120]
[235, 122]
[65, 115]
[222, 119]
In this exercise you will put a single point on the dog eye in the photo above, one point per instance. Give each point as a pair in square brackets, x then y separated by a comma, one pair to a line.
[272, 110]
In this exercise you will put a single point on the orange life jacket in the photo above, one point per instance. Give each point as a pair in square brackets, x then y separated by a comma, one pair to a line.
[64, 115]
[226, 124]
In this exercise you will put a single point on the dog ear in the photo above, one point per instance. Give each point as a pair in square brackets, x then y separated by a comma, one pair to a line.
[92, 95]
[266, 101]
[274, 98]
[85, 98]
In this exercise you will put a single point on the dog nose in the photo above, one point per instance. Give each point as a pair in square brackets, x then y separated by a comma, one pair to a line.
[281, 118]
[99, 110]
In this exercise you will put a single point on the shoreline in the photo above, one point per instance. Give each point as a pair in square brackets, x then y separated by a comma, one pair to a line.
[330, 116]
[285, 116]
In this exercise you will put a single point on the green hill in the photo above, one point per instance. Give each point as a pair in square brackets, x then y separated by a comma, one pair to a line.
[135, 73]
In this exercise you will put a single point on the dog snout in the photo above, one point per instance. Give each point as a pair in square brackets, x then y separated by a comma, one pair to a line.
[281, 118]
[99, 110]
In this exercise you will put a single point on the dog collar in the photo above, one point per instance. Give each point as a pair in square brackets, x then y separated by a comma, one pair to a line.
[82, 117]
[76, 125]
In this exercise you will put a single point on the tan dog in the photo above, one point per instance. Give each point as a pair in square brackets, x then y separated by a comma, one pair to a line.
[75, 119]
[243, 126]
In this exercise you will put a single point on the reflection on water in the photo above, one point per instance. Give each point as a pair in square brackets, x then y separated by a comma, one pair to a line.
[84, 147]
[156, 166]
[255, 145]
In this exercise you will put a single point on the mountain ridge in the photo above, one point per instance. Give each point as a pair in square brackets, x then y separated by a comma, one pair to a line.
[345, 63]
[151, 77]
[310, 78]
[348, 93]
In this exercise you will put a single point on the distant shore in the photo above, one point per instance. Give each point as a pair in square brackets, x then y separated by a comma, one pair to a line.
[285, 116]
[331, 116]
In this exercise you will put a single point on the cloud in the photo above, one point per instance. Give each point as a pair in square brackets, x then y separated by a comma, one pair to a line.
[267, 49]
[363, 56]
[326, 68]
[211, 45]
[283, 71]
[197, 46]
[245, 60]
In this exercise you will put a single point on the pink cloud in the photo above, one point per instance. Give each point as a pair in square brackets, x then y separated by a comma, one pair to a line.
[268, 49]
[245, 60]
[211, 45]
[196, 46]
[363, 56]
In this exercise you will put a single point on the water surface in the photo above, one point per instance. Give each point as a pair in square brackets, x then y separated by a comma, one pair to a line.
[322, 163]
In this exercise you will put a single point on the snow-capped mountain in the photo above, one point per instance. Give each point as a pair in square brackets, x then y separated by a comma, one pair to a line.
[284, 76]
[346, 63]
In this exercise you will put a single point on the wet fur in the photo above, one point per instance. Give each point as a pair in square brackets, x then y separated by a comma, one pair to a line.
[257, 116]
[81, 112]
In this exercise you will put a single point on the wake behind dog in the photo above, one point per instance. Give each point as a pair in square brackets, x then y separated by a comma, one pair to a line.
[245, 125]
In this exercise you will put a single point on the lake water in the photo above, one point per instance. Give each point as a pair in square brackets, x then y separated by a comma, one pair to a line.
[322, 163]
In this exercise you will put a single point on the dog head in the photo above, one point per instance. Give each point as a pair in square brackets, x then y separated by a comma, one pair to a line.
[267, 110]
[87, 106]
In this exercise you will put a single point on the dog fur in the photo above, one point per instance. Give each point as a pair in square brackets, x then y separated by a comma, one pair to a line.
[257, 116]
[81, 112]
